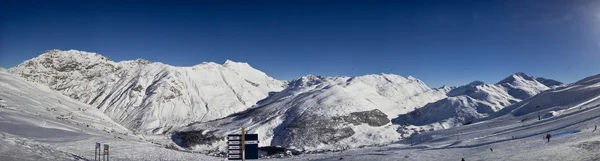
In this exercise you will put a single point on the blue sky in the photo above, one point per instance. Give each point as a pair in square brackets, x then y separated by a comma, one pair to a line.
[439, 42]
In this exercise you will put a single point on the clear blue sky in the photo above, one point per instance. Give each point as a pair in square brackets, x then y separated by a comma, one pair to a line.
[439, 42]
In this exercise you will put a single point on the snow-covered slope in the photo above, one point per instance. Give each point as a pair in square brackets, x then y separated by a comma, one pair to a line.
[556, 101]
[48, 108]
[35, 111]
[146, 96]
[37, 123]
[316, 113]
[476, 100]
[569, 113]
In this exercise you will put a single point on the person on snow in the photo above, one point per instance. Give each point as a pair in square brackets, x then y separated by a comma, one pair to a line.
[548, 136]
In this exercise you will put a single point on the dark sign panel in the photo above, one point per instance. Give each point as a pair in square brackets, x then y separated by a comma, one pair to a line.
[234, 143]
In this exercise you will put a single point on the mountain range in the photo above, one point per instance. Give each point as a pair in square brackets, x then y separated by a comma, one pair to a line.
[201, 104]
[150, 96]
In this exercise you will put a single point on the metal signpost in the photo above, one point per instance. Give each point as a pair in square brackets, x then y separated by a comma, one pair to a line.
[242, 147]
[105, 155]
[97, 152]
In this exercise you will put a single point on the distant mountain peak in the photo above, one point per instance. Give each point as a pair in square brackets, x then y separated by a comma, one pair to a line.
[307, 80]
[231, 63]
[411, 78]
[476, 83]
[228, 62]
[142, 61]
[70, 52]
[515, 77]
[520, 76]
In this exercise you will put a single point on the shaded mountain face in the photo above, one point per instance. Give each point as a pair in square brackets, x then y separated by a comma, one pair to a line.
[473, 101]
[149, 96]
[548, 82]
[325, 113]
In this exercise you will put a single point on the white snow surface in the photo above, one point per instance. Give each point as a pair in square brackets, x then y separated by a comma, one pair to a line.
[322, 101]
[466, 104]
[514, 133]
[37, 123]
[150, 96]
[19, 97]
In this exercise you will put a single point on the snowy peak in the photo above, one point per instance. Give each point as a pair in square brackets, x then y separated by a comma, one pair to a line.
[473, 101]
[142, 61]
[231, 63]
[74, 55]
[412, 78]
[60, 58]
[558, 101]
[150, 96]
[54, 67]
[304, 81]
[519, 76]
[476, 83]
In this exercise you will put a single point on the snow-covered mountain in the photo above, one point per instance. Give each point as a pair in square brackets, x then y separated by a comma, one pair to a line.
[38, 123]
[321, 113]
[584, 93]
[150, 96]
[475, 100]
[32, 104]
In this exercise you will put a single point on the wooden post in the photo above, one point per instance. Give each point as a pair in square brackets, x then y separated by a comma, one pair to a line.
[538, 110]
[243, 144]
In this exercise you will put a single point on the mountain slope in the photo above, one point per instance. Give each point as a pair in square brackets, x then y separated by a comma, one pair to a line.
[37, 123]
[146, 96]
[316, 113]
[474, 101]
[581, 94]
[37, 105]
[569, 113]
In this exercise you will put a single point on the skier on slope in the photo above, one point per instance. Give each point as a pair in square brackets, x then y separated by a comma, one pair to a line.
[548, 136]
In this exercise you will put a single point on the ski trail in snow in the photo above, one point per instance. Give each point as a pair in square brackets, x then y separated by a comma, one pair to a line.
[584, 103]
[371, 102]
